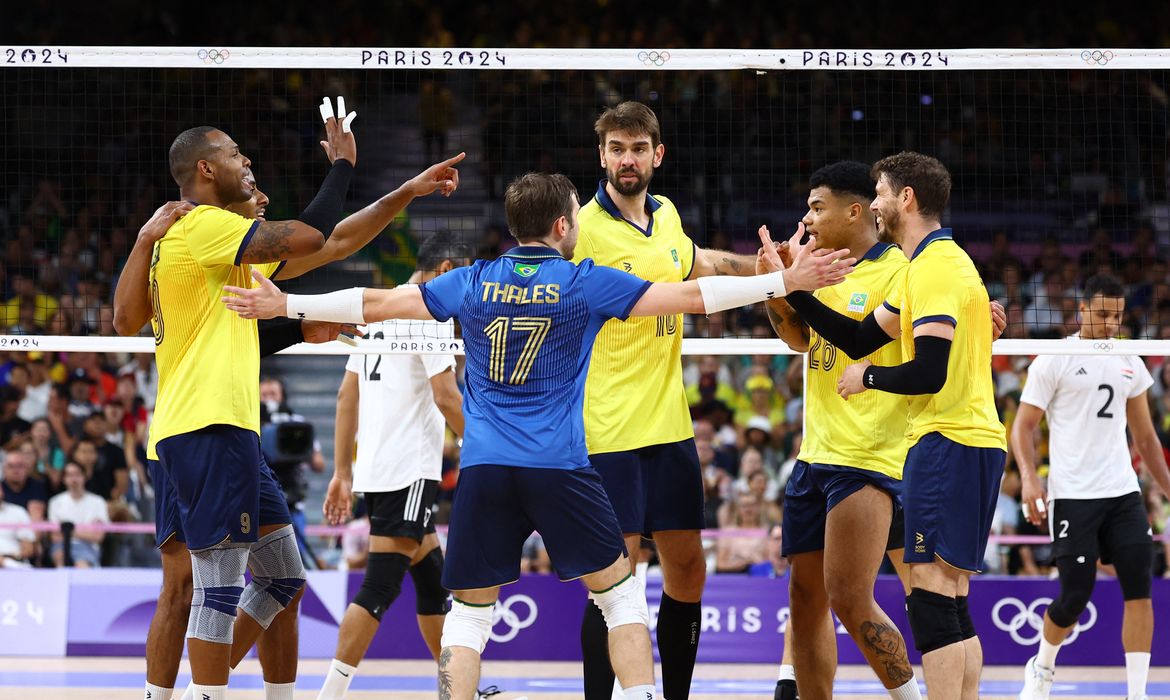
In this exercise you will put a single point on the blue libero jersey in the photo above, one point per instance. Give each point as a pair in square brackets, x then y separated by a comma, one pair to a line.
[529, 320]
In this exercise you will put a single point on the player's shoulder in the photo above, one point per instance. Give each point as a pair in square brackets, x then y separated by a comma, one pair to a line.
[590, 211]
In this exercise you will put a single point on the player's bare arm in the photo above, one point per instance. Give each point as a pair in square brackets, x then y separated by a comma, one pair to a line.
[709, 262]
[355, 305]
[132, 306]
[449, 399]
[811, 269]
[1145, 438]
[355, 231]
[339, 495]
[787, 324]
[1023, 442]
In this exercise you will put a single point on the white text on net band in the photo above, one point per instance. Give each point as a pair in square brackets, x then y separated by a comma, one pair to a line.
[466, 58]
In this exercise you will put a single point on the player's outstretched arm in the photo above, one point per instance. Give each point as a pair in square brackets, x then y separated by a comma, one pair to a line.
[132, 306]
[810, 269]
[274, 241]
[710, 262]
[357, 230]
[449, 399]
[354, 305]
[1023, 441]
[1145, 438]
[925, 374]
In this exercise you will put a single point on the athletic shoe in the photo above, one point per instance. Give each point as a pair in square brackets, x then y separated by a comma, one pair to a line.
[785, 690]
[1037, 681]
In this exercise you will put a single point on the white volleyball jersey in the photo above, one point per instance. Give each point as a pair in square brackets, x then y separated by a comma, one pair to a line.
[1085, 398]
[400, 429]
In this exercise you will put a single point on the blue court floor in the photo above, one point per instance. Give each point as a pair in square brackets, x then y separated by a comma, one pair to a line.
[102, 678]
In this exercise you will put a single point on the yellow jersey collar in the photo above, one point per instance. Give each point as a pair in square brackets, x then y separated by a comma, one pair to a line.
[879, 249]
[610, 208]
[942, 234]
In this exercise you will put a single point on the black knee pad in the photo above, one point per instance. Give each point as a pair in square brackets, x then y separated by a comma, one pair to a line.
[430, 598]
[966, 624]
[1135, 570]
[934, 620]
[382, 583]
[1077, 579]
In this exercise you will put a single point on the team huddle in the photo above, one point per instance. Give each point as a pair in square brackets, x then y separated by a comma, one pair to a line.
[575, 423]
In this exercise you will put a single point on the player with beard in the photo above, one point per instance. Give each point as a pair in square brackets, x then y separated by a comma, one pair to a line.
[637, 420]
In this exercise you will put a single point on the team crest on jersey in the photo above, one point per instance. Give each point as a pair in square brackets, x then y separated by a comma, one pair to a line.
[674, 254]
[857, 302]
[525, 270]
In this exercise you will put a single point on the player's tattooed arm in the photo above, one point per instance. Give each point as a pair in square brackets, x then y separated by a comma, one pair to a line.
[788, 324]
[445, 674]
[720, 262]
[274, 241]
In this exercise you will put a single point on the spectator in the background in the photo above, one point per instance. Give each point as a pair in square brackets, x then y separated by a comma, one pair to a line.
[1045, 316]
[735, 554]
[25, 291]
[716, 481]
[21, 487]
[777, 564]
[134, 407]
[436, 108]
[36, 393]
[145, 375]
[104, 384]
[751, 462]
[726, 456]
[1005, 521]
[16, 545]
[109, 477]
[534, 556]
[761, 402]
[78, 506]
[11, 424]
[80, 407]
[709, 380]
[48, 456]
[757, 435]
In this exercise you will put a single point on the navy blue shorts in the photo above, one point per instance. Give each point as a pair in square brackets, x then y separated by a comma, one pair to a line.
[496, 508]
[213, 484]
[949, 493]
[654, 488]
[815, 489]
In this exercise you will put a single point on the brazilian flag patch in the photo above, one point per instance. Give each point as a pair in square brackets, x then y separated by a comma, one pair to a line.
[857, 302]
[524, 269]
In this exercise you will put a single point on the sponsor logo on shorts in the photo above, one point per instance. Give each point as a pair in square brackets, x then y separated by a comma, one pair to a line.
[919, 543]
[857, 302]
[1025, 623]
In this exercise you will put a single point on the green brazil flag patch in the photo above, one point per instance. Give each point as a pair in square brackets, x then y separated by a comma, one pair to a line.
[525, 270]
[857, 301]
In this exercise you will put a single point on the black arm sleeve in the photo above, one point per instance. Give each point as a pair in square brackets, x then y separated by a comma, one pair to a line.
[925, 374]
[276, 334]
[855, 338]
[325, 210]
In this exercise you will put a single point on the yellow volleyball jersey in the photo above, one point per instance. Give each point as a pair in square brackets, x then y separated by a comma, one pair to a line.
[869, 430]
[634, 394]
[942, 284]
[208, 357]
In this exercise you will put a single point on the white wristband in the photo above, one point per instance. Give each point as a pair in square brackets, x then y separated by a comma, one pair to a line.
[344, 306]
[722, 293]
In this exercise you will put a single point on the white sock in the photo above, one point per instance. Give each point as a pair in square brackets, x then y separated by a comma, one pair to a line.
[1137, 670]
[336, 681]
[210, 692]
[279, 691]
[906, 691]
[156, 692]
[787, 673]
[1046, 657]
[640, 692]
[189, 693]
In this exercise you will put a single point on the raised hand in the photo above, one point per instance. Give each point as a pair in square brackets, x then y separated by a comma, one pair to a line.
[338, 501]
[768, 258]
[339, 141]
[265, 301]
[813, 268]
[162, 220]
[443, 177]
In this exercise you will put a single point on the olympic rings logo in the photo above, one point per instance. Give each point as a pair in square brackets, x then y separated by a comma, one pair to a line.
[653, 58]
[1097, 56]
[1027, 616]
[1106, 347]
[504, 613]
[214, 55]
